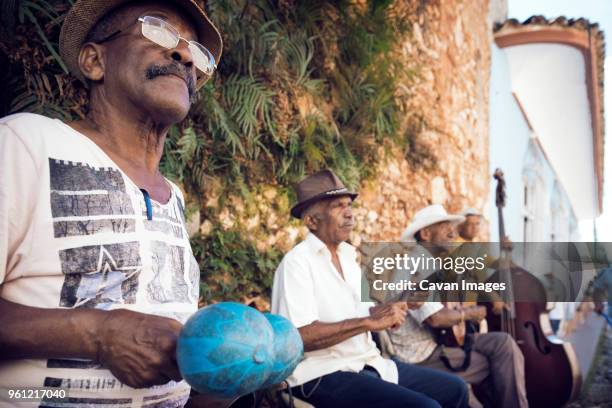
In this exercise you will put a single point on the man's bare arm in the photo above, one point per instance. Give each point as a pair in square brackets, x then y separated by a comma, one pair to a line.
[137, 348]
[318, 335]
[29, 332]
[444, 318]
[449, 317]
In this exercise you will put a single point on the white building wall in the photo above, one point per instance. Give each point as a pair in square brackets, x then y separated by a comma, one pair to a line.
[550, 81]
[537, 206]
[508, 141]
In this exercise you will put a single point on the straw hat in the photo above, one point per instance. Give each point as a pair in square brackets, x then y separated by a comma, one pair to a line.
[427, 216]
[470, 211]
[86, 13]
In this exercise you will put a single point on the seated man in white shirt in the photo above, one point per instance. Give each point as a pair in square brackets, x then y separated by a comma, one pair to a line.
[317, 287]
[494, 357]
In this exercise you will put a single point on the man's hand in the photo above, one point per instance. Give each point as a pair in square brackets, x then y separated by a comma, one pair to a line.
[475, 313]
[416, 299]
[498, 307]
[414, 305]
[139, 349]
[388, 315]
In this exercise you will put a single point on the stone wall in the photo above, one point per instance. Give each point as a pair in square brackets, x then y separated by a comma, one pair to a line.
[449, 49]
[445, 101]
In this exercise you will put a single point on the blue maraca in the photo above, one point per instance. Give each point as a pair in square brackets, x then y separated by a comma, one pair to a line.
[288, 349]
[226, 350]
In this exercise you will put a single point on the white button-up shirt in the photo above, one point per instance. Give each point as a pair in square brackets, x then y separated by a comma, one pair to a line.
[308, 288]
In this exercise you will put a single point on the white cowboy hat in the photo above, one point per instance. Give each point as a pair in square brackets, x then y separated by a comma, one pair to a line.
[427, 216]
[470, 211]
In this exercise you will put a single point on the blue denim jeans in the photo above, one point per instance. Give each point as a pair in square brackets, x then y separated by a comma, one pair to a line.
[418, 387]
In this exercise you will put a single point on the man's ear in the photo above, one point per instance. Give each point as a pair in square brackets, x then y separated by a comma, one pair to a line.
[91, 61]
[310, 222]
[425, 234]
[459, 227]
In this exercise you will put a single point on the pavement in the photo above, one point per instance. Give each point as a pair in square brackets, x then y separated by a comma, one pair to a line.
[585, 339]
[593, 345]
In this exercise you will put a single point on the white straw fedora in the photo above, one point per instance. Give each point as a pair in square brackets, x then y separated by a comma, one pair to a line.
[427, 216]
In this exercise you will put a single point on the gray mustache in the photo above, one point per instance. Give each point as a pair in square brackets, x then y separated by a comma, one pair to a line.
[172, 69]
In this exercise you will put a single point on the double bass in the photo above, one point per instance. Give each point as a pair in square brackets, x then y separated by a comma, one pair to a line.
[552, 373]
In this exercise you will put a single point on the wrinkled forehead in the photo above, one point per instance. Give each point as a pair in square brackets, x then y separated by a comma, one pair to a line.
[329, 203]
[342, 198]
[326, 204]
[165, 10]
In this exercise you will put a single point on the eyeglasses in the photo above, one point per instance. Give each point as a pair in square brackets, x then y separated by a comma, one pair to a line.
[165, 35]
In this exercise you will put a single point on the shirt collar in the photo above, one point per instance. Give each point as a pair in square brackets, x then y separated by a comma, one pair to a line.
[316, 245]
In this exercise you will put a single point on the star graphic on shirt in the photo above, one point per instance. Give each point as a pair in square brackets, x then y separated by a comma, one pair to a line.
[106, 281]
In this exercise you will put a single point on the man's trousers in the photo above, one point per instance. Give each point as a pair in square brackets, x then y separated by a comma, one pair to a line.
[497, 360]
[418, 387]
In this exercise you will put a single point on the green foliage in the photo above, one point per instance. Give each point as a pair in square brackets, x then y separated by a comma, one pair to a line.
[231, 267]
[277, 57]
[37, 76]
[302, 85]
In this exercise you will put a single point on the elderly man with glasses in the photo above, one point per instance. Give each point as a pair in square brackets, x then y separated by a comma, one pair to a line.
[96, 271]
